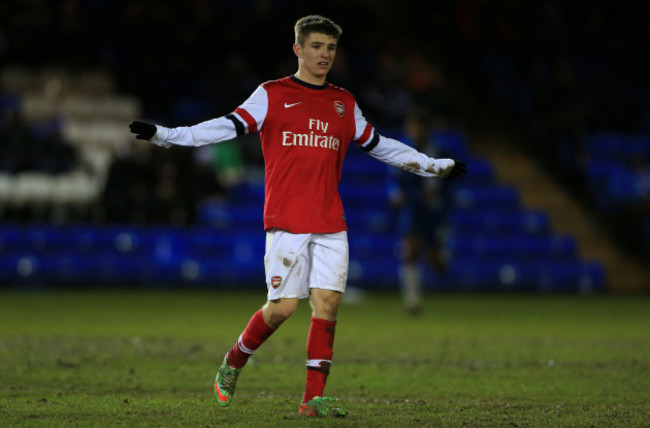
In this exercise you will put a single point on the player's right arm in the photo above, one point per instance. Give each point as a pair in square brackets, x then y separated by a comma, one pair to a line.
[246, 118]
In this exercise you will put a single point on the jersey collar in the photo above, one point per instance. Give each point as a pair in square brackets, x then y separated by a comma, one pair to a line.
[308, 85]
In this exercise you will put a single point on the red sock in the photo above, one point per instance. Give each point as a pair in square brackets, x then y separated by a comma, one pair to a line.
[255, 333]
[320, 345]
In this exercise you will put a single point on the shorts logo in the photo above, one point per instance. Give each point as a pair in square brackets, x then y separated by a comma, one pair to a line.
[339, 107]
[276, 281]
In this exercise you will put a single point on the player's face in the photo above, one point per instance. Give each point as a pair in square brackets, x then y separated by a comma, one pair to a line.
[316, 56]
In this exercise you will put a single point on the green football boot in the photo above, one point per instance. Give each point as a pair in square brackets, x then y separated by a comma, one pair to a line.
[225, 382]
[320, 406]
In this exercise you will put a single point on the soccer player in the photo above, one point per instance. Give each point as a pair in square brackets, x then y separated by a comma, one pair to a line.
[305, 125]
[422, 211]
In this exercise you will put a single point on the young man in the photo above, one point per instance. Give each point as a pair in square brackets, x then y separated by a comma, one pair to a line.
[305, 126]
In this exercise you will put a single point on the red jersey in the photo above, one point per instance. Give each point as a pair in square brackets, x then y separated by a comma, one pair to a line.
[305, 132]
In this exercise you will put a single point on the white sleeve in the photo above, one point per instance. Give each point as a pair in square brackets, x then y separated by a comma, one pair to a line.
[396, 153]
[211, 131]
[248, 117]
[405, 157]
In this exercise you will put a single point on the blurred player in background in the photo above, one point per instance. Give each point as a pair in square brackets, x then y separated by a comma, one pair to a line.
[306, 126]
[421, 207]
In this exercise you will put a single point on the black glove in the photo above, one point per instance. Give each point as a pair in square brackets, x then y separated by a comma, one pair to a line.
[460, 168]
[142, 130]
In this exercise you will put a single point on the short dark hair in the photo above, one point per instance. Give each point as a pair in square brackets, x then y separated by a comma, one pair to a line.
[316, 24]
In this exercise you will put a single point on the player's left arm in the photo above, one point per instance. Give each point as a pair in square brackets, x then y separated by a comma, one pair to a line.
[400, 155]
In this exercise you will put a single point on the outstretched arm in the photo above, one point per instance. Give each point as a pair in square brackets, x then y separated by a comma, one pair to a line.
[212, 131]
[402, 156]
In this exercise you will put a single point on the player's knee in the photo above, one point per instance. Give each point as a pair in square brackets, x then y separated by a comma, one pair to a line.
[278, 311]
[285, 311]
[328, 312]
[325, 304]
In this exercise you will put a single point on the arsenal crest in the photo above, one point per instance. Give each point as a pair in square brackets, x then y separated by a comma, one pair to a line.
[339, 107]
[276, 281]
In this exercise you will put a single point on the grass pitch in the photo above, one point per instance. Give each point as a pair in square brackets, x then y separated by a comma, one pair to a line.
[148, 358]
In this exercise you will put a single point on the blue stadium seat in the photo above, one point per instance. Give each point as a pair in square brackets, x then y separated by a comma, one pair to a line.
[75, 268]
[41, 238]
[222, 272]
[11, 238]
[469, 274]
[373, 273]
[604, 146]
[250, 192]
[209, 241]
[364, 170]
[124, 239]
[9, 267]
[452, 141]
[584, 277]
[539, 275]
[638, 145]
[28, 269]
[86, 238]
[371, 220]
[513, 246]
[614, 147]
[122, 269]
[369, 194]
[223, 215]
[599, 171]
[154, 272]
[370, 246]
[485, 196]
[499, 220]
[479, 171]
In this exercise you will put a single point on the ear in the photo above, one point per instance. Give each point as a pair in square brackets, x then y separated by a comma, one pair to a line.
[296, 50]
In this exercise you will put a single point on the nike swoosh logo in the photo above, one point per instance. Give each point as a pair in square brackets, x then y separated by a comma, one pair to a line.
[222, 397]
[287, 105]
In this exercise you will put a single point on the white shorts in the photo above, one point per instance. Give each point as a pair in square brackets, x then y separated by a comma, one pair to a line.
[294, 263]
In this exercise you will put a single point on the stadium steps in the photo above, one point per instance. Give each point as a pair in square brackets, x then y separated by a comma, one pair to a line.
[539, 191]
